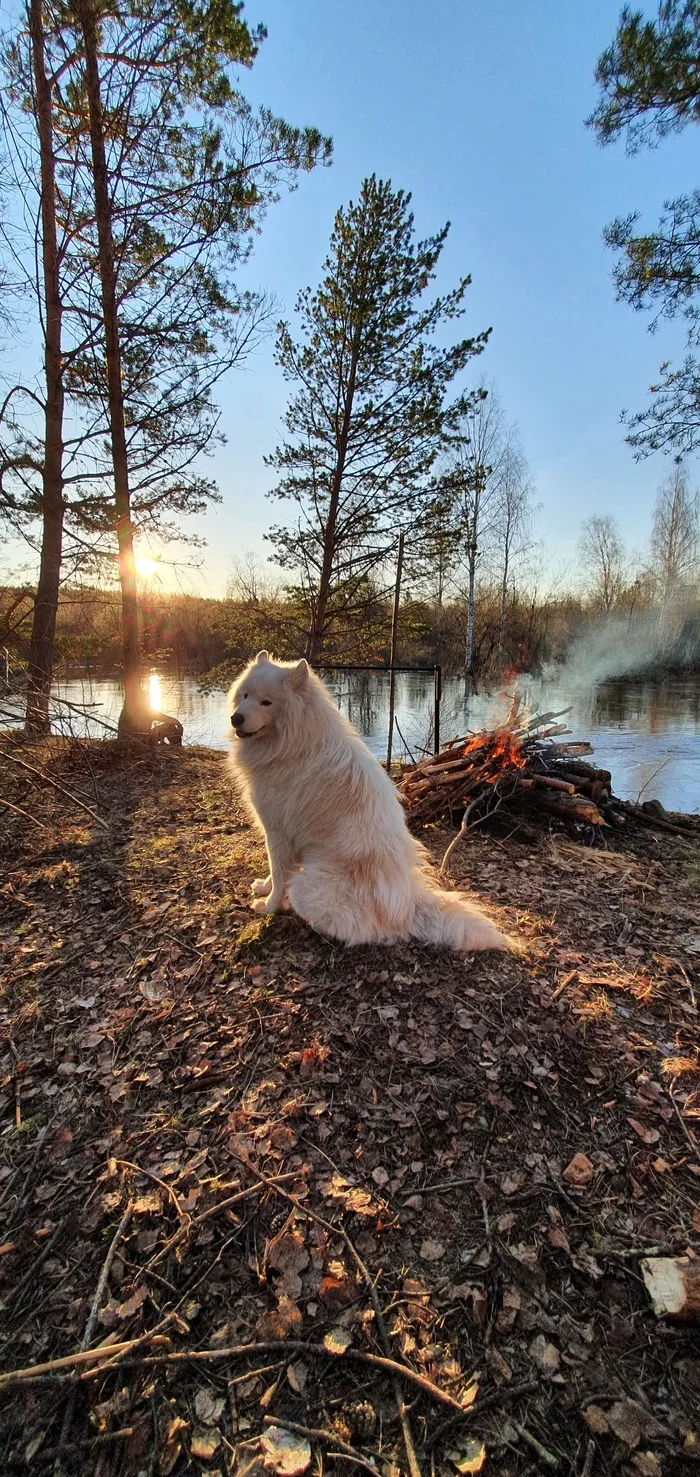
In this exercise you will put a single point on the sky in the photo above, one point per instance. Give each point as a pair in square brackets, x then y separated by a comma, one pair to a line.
[477, 109]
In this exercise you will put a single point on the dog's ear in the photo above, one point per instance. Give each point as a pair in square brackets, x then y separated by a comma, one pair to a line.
[263, 656]
[299, 674]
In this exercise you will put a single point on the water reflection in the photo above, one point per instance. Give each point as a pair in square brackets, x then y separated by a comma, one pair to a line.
[647, 733]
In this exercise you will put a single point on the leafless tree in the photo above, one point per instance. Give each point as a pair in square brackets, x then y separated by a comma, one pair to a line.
[603, 556]
[675, 537]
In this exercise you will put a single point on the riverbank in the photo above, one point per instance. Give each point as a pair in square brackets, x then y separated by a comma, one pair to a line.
[428, 1110]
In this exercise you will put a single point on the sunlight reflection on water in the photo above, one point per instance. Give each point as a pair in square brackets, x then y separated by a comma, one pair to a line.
[647, 733]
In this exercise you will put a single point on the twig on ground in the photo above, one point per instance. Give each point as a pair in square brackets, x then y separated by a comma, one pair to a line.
[206, 1215]
[70, 1361]
[589, 1459]
[15, 1293]
[48, 779]
[72, 1448]
[25, 814]
[690, 1138]
[329, 1438]
[235, 1351]
[479, 1406]
[18, 1090]
[90, 1326]
[548, 1457]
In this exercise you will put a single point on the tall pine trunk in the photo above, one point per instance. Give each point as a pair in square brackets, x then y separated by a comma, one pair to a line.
[41, 646]
[133, 717]
[318, 620]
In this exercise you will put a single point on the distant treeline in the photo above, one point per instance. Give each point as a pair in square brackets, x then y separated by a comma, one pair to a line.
[212, 639]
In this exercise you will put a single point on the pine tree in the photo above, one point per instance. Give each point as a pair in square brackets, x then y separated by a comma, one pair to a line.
[649, 88]
[368, 414]
[162, 172]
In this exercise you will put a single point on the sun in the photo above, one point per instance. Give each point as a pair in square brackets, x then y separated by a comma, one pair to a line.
[146, 567]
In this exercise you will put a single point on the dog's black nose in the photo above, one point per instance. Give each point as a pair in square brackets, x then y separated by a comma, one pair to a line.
[237, 720]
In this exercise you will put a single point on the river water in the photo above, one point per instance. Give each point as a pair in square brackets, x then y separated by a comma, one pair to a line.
[646, 733]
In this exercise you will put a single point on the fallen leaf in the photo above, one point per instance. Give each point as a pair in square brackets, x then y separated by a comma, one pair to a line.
[583, 1261]
[648, 1135]
[558, 1237]
[526, 1255]
[544, 1355]
[297, 1375]
[209, 1408]
[285, 1452]
[431, 1251]
[380, 1176]
[509, 1310]
[596, 1419]
[337, 1341]
[147, 1204]
[132, 1304]
[630, 1422]
[579, 1171]
[473, 1456]
[647, 1464]
[171, 1446]
[205, 1445]
[512, 1182]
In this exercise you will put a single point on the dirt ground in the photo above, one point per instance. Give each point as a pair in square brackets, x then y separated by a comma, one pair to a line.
[470, 1157]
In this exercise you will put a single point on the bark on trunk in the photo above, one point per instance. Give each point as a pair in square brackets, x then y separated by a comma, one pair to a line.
[318, 625]
[46, 604]
[133, 717]
[469, 652]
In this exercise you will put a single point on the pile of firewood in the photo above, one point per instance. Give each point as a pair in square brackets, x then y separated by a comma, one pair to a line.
[521, 766]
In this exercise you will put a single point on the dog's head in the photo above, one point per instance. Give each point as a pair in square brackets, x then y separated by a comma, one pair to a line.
[262, 693]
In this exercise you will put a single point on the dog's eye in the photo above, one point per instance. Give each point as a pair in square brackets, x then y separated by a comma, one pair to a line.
[265, 702]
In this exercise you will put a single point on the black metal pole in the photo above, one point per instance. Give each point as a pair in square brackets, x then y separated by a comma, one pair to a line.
[437, 694]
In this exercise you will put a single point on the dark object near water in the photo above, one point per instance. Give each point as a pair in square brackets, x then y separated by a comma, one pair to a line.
[154, 728]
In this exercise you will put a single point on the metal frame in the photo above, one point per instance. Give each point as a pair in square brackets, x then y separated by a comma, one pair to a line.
[437, 685]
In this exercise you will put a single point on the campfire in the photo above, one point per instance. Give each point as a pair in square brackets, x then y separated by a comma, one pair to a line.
[522, 767]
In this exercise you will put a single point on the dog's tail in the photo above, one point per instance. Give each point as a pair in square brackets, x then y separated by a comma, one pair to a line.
[447, 918]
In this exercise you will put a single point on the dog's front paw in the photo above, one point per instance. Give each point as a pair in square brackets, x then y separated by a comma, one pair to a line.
[261, 887]
[262, 905]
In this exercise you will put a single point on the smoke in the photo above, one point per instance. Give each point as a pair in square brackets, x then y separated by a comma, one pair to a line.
[650, 643]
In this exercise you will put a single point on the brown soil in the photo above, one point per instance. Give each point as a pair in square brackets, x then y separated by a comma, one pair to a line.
[162, 1050]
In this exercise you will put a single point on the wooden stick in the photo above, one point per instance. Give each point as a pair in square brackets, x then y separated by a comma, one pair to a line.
[270, 1346]
[548, 1457]
[24, 813]
[12, 758]
[90, 1325]
[71, 1361]
[390, 1363]
[16, 1292]
[316, 1433]
[468, 1411]
[207, 1215]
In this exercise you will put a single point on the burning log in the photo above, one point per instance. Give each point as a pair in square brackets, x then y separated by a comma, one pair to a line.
[524, 767]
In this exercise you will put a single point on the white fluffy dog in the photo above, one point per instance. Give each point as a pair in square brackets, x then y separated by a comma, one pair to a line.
[337, 842]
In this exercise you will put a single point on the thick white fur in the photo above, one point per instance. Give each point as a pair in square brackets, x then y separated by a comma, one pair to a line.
[337, 842]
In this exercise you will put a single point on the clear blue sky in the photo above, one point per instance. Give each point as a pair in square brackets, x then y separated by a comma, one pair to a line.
[478, 109]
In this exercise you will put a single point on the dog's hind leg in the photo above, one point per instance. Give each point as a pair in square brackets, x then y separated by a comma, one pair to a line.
[328, 903]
